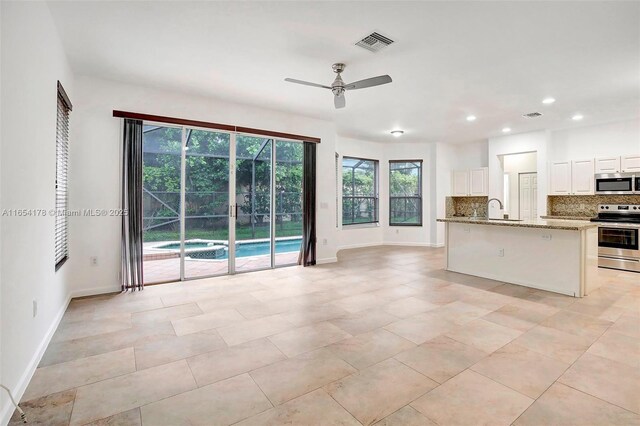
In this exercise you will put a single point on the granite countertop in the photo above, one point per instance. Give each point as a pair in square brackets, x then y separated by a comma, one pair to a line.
[563, 224]
[566, 217]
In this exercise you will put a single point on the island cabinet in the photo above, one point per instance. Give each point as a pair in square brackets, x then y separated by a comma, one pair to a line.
[560, 256]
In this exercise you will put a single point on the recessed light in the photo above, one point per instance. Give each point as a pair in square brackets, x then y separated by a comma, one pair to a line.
[577, 117]
[506, 129]
[397, 133]
[548, 101]
[471, 118]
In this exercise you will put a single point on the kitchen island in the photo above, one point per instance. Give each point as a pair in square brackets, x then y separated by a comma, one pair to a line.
[554, 255]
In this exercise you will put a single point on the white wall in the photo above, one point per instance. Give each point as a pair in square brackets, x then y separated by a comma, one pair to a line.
[96, 154]
[352, 236]
[611, 139]
[32, 62]
[446, 159]
[515, 164]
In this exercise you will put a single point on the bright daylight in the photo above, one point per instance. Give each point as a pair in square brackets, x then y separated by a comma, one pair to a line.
[313, 212]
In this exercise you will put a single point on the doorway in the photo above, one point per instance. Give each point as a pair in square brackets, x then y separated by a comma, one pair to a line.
[218, 203]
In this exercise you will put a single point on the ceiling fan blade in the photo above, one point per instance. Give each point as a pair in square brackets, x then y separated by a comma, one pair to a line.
[306, 83]
[339, 101]
[369, 82]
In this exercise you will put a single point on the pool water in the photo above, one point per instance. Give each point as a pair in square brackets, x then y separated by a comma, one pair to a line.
[242, 249]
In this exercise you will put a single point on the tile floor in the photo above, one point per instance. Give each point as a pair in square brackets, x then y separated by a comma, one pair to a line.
[385, 336]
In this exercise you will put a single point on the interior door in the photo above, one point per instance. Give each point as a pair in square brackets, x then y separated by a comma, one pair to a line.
[528, 196]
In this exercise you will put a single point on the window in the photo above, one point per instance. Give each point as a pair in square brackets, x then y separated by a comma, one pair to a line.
[359, 191]
[62, 160]
[405, 192]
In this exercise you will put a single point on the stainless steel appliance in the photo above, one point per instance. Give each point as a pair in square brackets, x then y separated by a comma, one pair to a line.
[616, 183]
[637, 185]
[618, 236]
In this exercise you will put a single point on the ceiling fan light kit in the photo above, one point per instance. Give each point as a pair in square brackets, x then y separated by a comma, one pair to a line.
[338, 87]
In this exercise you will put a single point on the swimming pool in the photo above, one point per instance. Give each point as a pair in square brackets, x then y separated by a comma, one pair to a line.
[218, 250]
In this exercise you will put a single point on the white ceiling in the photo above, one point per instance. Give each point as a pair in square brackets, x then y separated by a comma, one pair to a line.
[495, 60]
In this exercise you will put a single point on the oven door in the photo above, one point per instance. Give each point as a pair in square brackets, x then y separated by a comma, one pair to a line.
[637, 187]
[618, 241]
[614, 184]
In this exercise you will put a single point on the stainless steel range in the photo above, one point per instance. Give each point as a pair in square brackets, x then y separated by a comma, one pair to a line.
[618, 234]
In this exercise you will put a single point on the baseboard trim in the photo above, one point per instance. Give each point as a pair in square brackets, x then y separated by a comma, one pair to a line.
[362, 245]
[406, 244]
[18, 391]
[326, 260]
[94, 291]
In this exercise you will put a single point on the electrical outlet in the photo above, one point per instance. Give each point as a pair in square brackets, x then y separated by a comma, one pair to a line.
[397, 231]
[466, 229]
[324, 242]
[35, 308]
[93, 260]
[501, 252]
[546, 236]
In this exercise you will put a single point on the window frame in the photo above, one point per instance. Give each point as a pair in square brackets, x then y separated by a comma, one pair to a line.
[61, 198]
[419, 197]
[376, 191]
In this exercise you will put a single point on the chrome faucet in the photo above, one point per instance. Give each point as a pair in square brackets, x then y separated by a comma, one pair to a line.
[489, 202]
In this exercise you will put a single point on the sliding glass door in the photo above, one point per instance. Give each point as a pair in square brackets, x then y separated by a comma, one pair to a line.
[219, 202]
[254, 172]
[161, 159]
[206, 203]
[288, 202]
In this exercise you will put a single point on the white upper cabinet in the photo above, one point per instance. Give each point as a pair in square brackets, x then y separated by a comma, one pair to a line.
[479, 181]
[460, 182]
[470, 182]
[582, 178]
[630, 163]
[560, 178]
[608, 165]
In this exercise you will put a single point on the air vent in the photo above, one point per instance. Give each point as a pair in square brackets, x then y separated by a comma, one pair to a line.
[532, 115]
[374, 42]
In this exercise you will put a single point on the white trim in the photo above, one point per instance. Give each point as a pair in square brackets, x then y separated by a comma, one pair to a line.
[18, 391]
[361, 245]
[95, 291]
[408, 244]
[326, 260]
[360, 225]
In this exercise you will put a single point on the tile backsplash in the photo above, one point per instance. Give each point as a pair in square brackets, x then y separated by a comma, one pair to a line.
[464, 206]
[584, 205]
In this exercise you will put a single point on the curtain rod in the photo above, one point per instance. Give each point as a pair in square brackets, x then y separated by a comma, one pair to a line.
[210, 125]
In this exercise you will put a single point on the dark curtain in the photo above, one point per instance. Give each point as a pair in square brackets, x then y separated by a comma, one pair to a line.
[307, 255]
[132, 278]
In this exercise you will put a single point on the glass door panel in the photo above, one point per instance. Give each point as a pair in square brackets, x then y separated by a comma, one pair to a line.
[161, 159]
[206, 206]
[253, 203]
[288, 202]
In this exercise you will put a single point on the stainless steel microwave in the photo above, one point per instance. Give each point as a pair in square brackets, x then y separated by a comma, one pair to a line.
[615, 183]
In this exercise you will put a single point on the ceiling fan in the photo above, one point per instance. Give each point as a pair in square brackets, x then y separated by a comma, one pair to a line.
[338, 87]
